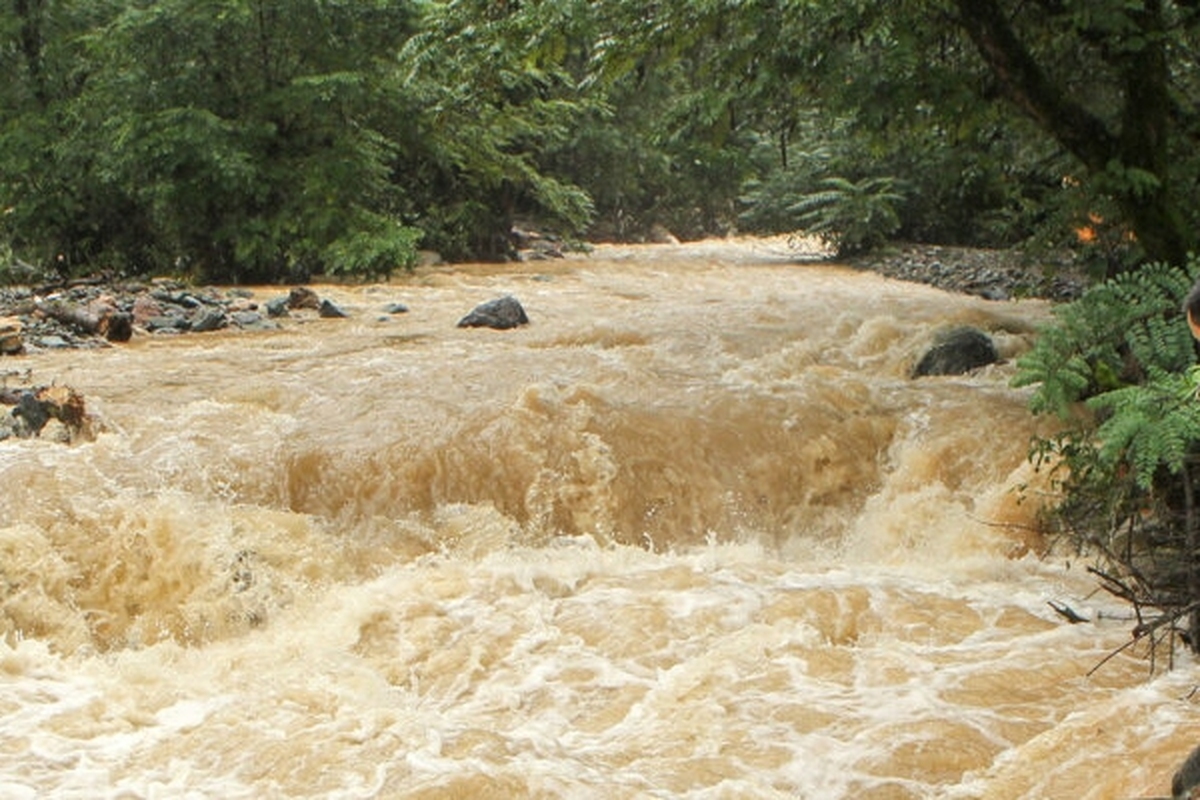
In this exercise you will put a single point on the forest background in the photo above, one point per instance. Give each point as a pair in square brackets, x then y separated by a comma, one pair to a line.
[263, 140]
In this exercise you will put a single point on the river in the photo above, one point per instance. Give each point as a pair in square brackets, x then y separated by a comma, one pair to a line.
[693, 532]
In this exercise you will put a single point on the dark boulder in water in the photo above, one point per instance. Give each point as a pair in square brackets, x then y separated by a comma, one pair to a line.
[1186, 783]
[957, 351]
[503, 313]
[330, 310]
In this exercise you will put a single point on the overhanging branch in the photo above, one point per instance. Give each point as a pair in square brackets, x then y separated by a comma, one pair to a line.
[1023, 82]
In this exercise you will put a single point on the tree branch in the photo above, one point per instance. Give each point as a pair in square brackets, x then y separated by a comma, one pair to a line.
[1023, 82]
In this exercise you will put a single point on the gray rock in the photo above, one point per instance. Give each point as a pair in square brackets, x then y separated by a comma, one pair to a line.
[957, 351]
[167, 323]
[1187, 779]
[209, 320]
[32, 415]
[396, 308]
[506, 312]
[277, 307]
[246, 319]
[330, 310]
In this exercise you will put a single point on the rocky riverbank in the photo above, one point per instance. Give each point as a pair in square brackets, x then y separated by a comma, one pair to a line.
[95, 314]
[993, 274]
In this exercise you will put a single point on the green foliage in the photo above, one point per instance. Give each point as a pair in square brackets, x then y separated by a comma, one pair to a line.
[489, 95]
[851, 216]
[1149, 427]
[1126, 464]
[245, 138]
[1121, 332]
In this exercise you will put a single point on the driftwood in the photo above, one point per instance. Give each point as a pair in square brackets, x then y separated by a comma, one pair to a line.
[116, 326]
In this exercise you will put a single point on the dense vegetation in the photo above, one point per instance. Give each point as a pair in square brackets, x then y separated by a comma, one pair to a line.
[264, 140]
[1119, 369]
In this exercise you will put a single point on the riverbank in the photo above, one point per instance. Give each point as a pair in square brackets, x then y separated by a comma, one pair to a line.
[71, 317]
[995, 274]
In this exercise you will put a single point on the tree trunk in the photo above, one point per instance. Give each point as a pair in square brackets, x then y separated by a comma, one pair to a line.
[1135, 159]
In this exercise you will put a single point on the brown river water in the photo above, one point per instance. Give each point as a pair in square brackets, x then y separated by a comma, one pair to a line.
[693, 532]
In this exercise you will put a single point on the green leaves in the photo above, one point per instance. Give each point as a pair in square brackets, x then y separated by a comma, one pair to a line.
[1124, 353]
[852, 216]
[1126, 330]
[1149, 427]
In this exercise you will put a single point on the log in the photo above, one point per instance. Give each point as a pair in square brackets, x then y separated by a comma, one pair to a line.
[116, 326]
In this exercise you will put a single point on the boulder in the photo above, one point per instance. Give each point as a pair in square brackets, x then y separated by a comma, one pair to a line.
[330, 310]
[303, 297]
[210, 319]
[11, 342]
[33, 408]
[1186, 782]
[278, 307]
[505, 312]
[957, 351]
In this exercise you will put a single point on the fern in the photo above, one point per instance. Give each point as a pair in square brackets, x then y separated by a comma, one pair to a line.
[1121, 332]
[851, 216]
[1149, 427]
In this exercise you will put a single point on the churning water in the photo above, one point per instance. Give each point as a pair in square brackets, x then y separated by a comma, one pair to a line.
[693, 532]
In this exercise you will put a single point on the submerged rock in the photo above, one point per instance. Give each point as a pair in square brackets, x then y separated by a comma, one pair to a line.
[956, 352]
[330, 310]
[506, 312]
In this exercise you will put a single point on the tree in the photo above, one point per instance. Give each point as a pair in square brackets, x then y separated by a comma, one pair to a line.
[489, 93]
[246, 138]
[1125, 127]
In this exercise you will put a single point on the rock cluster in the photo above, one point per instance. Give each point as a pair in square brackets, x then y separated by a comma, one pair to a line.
[992, 274]
[55, 412]
[92, 315]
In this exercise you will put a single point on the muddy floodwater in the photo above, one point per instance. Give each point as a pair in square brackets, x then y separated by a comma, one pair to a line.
[693, 532]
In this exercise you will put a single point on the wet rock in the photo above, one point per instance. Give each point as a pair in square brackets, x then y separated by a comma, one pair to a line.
[330, 310]
[396, 308]
[182, 299]
[35, 408]
[32, 415]
[957, 351]
[1186, 783]
[278, 307]
[303, 297]
[146, 308]
[251, 320]
[994, 274]
[208, 320]
[166, 323]
[11, 340]
[503, 313]
[117, 326]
